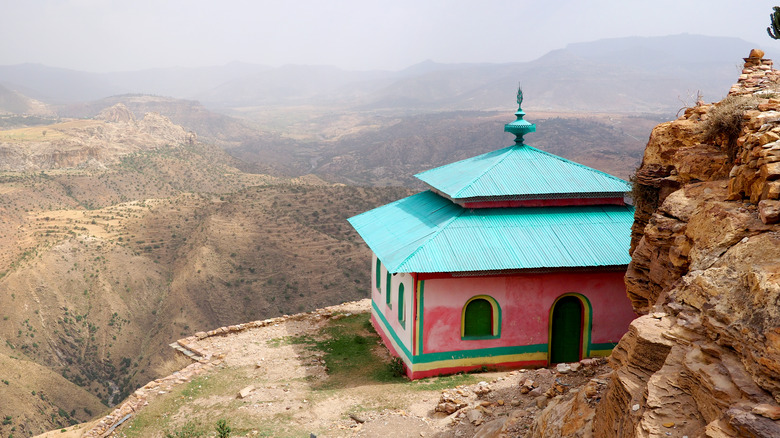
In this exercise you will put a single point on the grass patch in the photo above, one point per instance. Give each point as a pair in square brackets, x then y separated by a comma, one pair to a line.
[349, 353]
[189, 430]
[155, 417]
[348, 348]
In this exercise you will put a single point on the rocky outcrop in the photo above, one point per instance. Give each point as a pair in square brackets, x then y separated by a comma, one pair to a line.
[90, 143]
[117, 113]
[704, 360]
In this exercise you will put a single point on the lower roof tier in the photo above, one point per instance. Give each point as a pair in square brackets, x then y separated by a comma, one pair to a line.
[429, 233]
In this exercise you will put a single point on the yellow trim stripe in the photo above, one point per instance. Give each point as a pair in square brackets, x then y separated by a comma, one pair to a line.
[600, 353]
[479, 361]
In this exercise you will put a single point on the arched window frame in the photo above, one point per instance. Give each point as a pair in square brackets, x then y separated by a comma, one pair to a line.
[378, 275]
[496, 323]
[388, 289]
[401, 306]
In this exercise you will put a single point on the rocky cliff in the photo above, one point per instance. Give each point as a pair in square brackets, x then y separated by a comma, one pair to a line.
[704, 359]
[88, 143]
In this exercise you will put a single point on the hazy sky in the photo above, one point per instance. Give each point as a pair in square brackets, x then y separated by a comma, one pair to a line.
[116, 35]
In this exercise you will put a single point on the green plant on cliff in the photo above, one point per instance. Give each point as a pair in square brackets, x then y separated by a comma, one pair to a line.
[724, 122]
[774, 19]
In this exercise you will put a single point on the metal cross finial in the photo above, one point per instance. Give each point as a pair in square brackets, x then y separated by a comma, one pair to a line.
[519, 96]
[519, 127]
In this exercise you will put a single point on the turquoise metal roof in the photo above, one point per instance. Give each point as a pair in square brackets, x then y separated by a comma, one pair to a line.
[428, 233]
[522, 172]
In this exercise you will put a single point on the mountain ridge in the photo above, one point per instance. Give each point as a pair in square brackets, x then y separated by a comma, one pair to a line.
[692, 54]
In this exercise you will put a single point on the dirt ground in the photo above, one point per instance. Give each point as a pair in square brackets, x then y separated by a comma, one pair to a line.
[268, 382]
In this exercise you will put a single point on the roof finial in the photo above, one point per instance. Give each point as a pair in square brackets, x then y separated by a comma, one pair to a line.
[519, 96]
[519, 127]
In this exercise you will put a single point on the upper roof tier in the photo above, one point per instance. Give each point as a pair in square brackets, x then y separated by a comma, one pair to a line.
[521, 172]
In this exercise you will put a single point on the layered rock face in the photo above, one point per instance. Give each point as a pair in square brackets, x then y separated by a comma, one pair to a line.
[705, 271]
[704, 359]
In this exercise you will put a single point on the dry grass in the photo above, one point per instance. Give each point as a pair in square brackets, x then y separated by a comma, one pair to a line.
[46, 132]
[724, 124]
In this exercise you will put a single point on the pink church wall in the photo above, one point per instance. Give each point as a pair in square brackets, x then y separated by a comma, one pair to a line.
[378, 296]
[525, 301]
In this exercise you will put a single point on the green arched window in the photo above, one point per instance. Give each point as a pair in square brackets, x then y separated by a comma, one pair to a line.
[401, 309]
[481, 318]
[378, 274]
[388, 283]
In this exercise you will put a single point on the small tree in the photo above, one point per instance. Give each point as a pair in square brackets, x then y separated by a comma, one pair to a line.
[223, 430]
[774, 29]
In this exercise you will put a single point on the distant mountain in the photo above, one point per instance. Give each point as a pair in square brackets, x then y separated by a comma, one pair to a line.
[184, 83]
[296, 84]
[14, 102]
[63, 86]
[210, 126]
[55, 85]
[658, 74]
[636, 74]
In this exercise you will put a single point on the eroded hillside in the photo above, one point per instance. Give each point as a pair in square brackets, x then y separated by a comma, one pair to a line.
[103, 265]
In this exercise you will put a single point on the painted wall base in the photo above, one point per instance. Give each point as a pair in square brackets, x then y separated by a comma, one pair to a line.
[416, 371]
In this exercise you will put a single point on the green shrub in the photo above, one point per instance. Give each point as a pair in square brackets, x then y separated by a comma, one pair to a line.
[397, 367]
[223, 430]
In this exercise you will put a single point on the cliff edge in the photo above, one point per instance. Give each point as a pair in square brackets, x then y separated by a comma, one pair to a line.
[704, 359]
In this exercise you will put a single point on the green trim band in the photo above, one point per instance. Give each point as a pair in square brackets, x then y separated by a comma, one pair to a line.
[420, 316]
[389, 330]
[480, 352]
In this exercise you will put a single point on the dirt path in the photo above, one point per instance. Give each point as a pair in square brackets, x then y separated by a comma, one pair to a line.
[273, 378]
